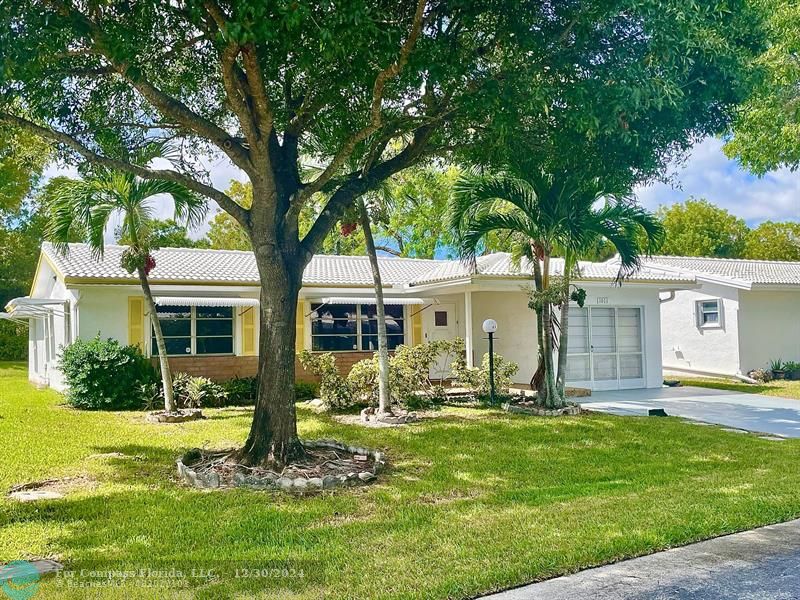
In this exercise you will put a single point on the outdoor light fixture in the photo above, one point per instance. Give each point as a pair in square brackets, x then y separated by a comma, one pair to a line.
[490, 328]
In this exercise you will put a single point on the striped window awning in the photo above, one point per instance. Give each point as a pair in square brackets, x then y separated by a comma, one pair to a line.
[203, 301]
[368, 300]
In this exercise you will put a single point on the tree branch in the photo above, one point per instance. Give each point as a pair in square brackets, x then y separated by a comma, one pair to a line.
[374, 124]
[388, 250]
[361, 182]
[167, 105]
[223, 200]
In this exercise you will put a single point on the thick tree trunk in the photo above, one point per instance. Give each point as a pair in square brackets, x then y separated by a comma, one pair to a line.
[166, 374]
[384, 405]
[273, 437]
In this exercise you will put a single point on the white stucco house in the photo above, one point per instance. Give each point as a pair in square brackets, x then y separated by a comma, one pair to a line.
[208, 306]
[743, 314]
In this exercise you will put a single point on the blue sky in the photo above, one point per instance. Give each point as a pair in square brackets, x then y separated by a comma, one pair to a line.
[706, 173]
[709, 174]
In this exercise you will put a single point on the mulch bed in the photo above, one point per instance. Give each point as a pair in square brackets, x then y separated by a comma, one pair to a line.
[326, 465]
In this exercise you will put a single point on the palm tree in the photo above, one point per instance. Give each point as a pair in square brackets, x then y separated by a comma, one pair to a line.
[85, 207]
[542, 213]
[630, 229]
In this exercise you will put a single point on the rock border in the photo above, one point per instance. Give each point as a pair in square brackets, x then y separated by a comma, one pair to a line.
[184, 416]
[538, 411]
[294, 485]
[370, 416]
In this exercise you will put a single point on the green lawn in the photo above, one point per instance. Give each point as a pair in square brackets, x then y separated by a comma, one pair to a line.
[474, 501]
[782, 388]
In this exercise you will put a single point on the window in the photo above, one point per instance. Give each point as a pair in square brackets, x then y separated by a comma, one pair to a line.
[709, 313]
[440, 318]
[351, 327]
[195, 330]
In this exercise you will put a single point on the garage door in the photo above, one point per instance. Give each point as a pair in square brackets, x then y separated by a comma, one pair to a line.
[605, 348]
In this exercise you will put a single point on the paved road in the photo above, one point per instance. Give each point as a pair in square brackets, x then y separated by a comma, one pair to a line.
[762, 564]
[753, 412]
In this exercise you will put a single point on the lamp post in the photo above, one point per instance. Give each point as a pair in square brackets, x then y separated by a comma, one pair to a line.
[490, 327]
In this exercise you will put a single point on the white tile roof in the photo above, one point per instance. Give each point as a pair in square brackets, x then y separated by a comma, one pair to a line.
[238, 267]
[756, 272]
[500, 264]
[230, 266]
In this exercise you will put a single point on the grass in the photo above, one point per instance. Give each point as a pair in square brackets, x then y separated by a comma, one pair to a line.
[779, 387]
[475, 501]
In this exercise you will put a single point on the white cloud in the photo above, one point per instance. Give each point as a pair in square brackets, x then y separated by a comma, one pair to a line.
[709, 174]
[220, 170]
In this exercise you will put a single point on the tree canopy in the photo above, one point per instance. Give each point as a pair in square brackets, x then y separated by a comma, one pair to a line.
[699, 228]
[774, 241]
[23, 157]
[267, 83]
[766, 132]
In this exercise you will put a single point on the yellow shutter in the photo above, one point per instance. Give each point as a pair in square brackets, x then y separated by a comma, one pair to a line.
[416, 327]
[300, 327]
[249, 332]
[136, 321]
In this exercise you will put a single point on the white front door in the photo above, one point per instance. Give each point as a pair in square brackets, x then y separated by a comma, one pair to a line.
[605, 348]
[439, 323]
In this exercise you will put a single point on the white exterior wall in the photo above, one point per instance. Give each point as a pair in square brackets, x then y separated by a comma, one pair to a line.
[48, 333]
[104, 310]
[516, 329]
[687, 346]
[769, 327]
[516, 325]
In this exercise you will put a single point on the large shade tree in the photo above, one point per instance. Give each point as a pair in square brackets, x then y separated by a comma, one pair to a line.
[271, 85]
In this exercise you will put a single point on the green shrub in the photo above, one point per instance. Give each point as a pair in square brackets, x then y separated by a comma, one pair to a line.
[476, 379]
[334, 390]
[304, 390]
[197, 392]
[241, 391]
[13, 341]
[409, 371]
[105, 375]
[362, 381]
[409, 383]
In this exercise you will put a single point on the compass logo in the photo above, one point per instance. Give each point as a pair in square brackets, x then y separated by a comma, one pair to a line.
[19, 580]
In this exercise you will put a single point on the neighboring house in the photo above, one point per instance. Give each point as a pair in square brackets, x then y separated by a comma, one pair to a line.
[744, 314]
[208, 306]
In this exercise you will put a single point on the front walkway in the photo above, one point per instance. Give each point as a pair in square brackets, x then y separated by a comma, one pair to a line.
[758, 564]
[753, 412]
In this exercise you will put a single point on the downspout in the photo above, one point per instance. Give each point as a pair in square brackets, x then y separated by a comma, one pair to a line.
[669, 298]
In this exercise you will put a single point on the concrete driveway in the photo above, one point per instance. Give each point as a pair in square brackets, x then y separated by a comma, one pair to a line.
[753, 412]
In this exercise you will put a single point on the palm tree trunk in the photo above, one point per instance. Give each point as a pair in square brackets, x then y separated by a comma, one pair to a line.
[551, 398]
[166, 374]
[563, 339]
[384, 406]
[537, 381]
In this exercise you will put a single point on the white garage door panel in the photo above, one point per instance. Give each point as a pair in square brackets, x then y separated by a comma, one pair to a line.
[606, 348]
